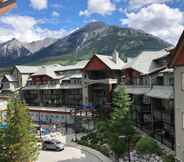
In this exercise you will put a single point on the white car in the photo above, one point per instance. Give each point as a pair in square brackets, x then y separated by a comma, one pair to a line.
[52, 145]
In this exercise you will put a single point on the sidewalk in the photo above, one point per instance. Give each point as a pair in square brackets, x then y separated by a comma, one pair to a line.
[68, 142]
[99, 155]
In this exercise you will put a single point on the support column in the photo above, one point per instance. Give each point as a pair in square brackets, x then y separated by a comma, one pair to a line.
[85, 96]
[110, 93]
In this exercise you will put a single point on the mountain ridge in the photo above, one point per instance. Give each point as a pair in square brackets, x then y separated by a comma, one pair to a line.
[81, 43]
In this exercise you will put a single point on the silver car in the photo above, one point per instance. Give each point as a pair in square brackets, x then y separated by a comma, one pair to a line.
[52, 145]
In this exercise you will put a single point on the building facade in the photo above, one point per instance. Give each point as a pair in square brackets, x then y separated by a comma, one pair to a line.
[101, 75]
[177, 62]
[57, 94]
[53, 92]
[17, 79]
[150, 85]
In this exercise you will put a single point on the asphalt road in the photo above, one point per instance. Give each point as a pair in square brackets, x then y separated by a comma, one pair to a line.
[70, 154]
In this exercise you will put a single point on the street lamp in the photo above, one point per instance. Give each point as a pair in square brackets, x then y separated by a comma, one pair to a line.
[128, 142]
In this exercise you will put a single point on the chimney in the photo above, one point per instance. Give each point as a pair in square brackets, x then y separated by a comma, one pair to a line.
[94, 51]
[115, 56]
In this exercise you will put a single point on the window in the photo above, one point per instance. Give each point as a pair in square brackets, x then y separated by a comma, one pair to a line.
[182, 81]
[146, 100]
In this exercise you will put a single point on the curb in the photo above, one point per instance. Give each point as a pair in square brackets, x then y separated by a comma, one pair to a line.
[95, 153]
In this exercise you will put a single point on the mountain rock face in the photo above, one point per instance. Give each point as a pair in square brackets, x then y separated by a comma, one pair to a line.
[37, 45]
[103, 39]
[81, 43]
[12, 50]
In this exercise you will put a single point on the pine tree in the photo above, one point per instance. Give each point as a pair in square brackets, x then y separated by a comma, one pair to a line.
[119, 124]
[19, 140]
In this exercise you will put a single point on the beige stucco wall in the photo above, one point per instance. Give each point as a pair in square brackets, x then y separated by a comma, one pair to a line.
[24, 79]
[12, 86]
[179, 109]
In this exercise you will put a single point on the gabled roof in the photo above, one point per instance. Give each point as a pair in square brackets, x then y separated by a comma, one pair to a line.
[108, 61]
[10, 78]
[163, 93]
[177, 51]
[27, 69]
[144, 63]
[48, 70]
[73, 76]
[78, 66]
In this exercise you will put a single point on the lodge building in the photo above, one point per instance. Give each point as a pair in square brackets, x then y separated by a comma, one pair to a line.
[150, 85]
[52, 92]
[100, 76]
[154, 81]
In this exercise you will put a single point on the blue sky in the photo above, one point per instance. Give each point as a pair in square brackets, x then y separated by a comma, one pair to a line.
[37, 19]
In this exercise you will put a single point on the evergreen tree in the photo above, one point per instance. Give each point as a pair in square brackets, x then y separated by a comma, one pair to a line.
[119, 124]
[19, 140]
[2, 150]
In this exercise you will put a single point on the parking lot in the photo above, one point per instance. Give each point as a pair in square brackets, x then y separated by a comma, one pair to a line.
[70, 154]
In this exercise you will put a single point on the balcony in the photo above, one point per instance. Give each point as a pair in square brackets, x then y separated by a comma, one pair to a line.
[137, 89]
[142, 108]
[161, 92]
[70, 86]
[101, 81]
[52, 86]
[39, 86]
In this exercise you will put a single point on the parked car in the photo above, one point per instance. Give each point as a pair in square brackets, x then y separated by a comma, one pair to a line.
[52, 145]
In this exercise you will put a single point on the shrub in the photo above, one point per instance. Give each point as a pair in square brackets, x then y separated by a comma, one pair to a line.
[168, 158]
[147, 145]
[135, 139]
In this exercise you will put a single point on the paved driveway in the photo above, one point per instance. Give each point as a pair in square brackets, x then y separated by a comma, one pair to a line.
[70, 154]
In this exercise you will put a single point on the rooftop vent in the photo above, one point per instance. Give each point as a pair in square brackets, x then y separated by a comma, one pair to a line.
[115, 56]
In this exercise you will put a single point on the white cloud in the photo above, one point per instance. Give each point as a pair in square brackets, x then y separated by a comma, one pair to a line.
[102, 7]
[55, 14]
[39, 4]
[28, 31]
[124, 21]
[141, 3]
[84, 13]
[159, 20]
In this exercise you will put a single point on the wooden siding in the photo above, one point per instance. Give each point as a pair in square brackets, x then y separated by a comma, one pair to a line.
[40, 79]
[95, 64]
[180, 59]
